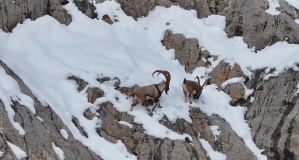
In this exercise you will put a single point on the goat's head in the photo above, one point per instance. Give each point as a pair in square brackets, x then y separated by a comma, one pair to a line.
[167, 77]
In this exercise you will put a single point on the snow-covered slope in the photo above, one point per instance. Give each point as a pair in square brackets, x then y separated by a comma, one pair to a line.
[44, 53]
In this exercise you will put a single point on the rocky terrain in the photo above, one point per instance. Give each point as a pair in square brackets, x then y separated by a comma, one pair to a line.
[273, 116]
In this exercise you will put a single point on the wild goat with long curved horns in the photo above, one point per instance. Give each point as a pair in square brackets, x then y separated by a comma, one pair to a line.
[153, 91]
[193, 88]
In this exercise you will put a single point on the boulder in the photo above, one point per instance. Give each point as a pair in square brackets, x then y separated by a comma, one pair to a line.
[224, 71]
[187, 51]
[236, 92]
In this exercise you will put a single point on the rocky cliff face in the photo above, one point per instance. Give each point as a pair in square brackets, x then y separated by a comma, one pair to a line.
[273, 115]
[41, 129]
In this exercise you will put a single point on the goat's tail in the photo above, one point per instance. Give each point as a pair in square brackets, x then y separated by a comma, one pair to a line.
[184, 82]
[206, 82]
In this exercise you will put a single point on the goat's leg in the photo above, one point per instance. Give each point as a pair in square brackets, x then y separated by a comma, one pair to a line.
[185, 93]
[189, 97]
[134, 103]
[157, 101]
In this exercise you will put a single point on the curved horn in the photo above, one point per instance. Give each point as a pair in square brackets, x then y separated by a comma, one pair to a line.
[165, 73]
[197, 79]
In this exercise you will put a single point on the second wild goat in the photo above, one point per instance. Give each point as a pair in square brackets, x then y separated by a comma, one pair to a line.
[192, 88]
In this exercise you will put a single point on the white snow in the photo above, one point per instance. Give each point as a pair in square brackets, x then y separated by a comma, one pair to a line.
[232, 81]
[9, 92]
[297, 21]
[273, 7]
[18, 152]
[64, 134]
[58, 151]
[214, 155]
[294, 3]
[215, 131]
[39, 118]
[43, 53]
[126, 124]
[1, 154]
[252, 99]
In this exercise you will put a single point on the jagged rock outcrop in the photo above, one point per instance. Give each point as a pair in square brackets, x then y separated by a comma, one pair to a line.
[204, 8]
[142, 145]
[224, 71]
[187, 51]
[16, 11]
[149, 147]
[41, 129]
[236, 92]
[228, 142]
[87, 8]
[259, 29]
[243, 18]
[273, 115]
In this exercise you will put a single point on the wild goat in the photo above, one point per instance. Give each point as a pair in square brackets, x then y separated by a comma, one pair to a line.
[193, 88]
[153, 91]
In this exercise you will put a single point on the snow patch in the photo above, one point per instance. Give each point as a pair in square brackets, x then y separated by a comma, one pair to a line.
[214, 155]
[18, 152]
[294, 3]
[1, 154]
[64, 134]
[215, 131]
[273, 7]
[126, 124]
[39, 118]
[59, 152]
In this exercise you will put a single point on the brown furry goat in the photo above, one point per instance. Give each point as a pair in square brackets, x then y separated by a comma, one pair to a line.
[153, 91]
[192, 88]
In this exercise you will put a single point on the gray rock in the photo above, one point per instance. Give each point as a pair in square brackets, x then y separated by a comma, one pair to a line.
[81, 84]
[259, 29]
[94, 93]
[223, 71]
[204, 8]
[236, 92]
[145, 146]
[273, 115]
[187, 51]
[229, 143]
[243, 18]
[87, 8]
[14, 12]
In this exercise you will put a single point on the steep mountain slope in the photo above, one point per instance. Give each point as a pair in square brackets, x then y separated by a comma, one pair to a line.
[69, 84]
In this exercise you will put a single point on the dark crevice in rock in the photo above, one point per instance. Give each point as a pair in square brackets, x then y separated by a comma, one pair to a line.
[288, 155]
[64, 2]
[288, 107]
[77, 124]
